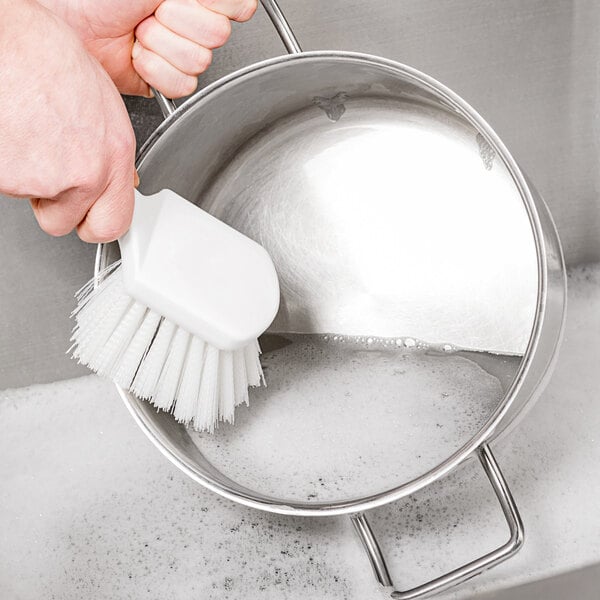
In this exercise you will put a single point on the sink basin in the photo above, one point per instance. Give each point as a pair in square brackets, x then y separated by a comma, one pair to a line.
[115, 516]
[581, 584]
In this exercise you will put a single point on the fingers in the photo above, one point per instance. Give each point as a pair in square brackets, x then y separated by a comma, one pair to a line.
[60, 215]
[109, 217]
[98, 219]
[237, 10]
[174, 45]
[195, 22]
[183, 54]
[161, 74]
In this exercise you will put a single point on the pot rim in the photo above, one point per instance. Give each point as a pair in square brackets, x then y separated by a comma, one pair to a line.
[487, 431]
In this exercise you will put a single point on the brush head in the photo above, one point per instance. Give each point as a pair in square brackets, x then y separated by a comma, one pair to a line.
[176, 321]
[198, 272]
[158, 361]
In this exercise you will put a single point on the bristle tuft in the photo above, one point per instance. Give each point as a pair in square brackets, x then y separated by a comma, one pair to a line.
[189, 387]
[208, 406]
[157, 361]
[168, 382]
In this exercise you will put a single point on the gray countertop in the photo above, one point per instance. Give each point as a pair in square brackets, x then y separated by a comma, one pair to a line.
[89, 508]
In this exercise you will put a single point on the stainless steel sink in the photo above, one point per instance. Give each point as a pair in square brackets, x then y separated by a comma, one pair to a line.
[530, 68]
[582, 584]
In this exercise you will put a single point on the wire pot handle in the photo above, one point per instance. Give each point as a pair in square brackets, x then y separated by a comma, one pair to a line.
[475, 567]
[282, 26]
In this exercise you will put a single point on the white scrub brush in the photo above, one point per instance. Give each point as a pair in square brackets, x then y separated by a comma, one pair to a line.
[176, 320]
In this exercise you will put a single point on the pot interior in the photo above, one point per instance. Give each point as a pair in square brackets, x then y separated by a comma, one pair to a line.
[407, 265]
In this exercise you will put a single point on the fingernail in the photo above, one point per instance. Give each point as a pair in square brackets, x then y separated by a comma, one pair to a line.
[136, 50]
[136, 178]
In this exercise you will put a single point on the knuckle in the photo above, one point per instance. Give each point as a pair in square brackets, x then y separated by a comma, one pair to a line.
[56, 229]
[53, 227]
[96, 230]
[90, 173]
[183, 85]
[201, 59]
[53, 187]
[221, 30]
[90, 180]
[246, 10]
[124, 142]
[166, 11]
[143, 30]
[110, 216]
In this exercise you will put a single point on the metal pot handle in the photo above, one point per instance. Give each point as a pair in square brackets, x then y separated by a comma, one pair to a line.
[475, 567]
[168, 107]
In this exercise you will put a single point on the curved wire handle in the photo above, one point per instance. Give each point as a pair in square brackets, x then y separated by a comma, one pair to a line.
[475, 567]
[167, 106]
[282, 26]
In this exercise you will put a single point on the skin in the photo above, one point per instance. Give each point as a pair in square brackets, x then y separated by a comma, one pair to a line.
[66, 141]
[175, 38]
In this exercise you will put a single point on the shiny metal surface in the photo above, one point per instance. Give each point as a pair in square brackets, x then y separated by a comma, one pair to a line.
[387, 218]
[475, 567]
[174, 157]
[371, 545]
[167, 106]
[528, 67]
[282, 27]
[358, 162]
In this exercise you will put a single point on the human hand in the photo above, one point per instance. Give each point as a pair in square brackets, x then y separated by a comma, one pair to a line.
[175, 38]
[65, 137]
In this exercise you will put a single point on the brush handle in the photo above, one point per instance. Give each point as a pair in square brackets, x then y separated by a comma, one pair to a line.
[285, 32]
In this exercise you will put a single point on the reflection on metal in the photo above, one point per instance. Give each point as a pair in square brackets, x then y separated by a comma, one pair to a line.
[192, 150]
[486, 152]
[334, 107]
[167, 106]
[371, 546]
[384, 223]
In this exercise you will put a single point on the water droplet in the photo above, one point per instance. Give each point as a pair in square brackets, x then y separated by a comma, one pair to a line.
[369, 340]
[410, 343]
[447, 348]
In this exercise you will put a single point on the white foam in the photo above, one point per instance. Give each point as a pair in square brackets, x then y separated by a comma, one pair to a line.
[347, 417]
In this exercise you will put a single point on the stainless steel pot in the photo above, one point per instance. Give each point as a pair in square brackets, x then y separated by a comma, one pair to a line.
[257, 148]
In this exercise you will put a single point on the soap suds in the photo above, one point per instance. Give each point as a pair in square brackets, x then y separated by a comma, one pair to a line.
[347, 417]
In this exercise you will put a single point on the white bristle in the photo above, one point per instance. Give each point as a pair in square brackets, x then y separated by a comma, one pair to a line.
[158, 361]
[129, 363]
[168, 383]
[146, 379]
[106, 361]
[253, 369]
[208, 412]
[226, 389]
[240, 379]
[96, 321]
[189, 386]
